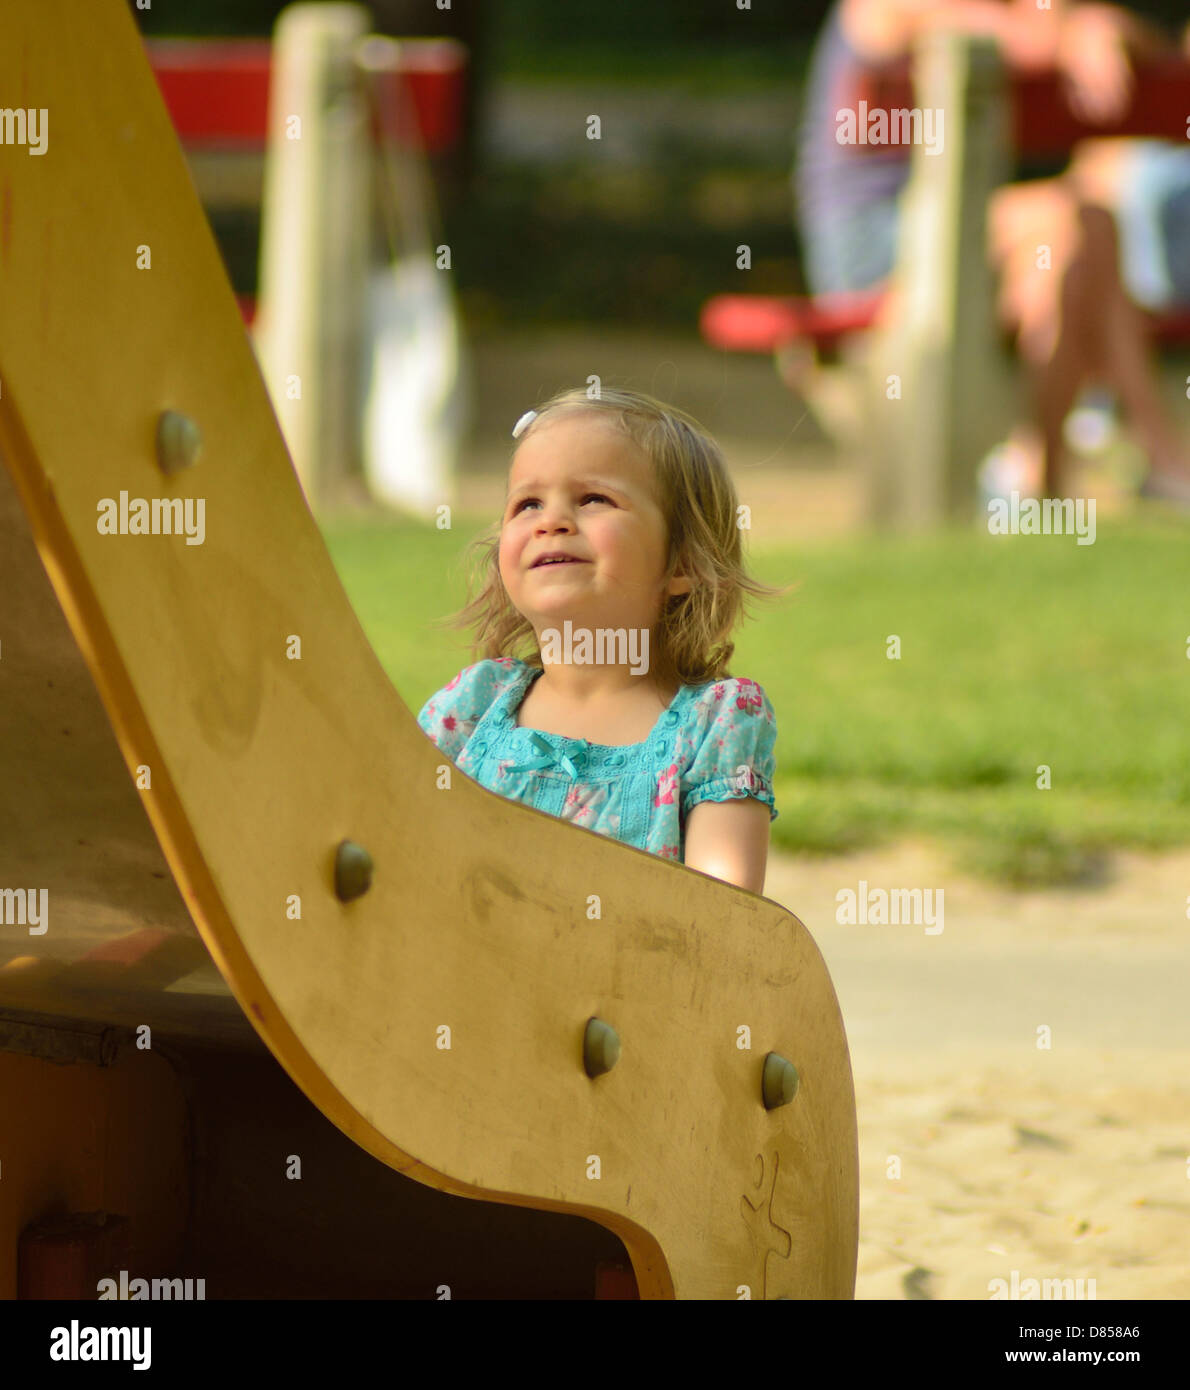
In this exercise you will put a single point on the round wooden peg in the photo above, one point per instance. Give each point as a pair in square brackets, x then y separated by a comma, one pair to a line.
[601, 1047]
[353, 871]
[179, 441]
[779, 1081]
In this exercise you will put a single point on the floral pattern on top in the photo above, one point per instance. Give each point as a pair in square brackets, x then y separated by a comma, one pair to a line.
[715, 742]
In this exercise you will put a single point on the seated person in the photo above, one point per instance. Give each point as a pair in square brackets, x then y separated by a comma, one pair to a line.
[1074, 321]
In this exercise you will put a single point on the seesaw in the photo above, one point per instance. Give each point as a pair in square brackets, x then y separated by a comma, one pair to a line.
[242, 841]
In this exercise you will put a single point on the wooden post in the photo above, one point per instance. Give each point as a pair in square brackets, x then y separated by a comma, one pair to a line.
[315, 221]
[938, 387]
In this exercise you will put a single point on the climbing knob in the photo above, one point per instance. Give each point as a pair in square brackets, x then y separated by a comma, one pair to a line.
[178, 441]
[601, 1047]
[779, 1082]
[353, 871]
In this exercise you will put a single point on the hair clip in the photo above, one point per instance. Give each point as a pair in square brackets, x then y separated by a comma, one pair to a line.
[523, 423]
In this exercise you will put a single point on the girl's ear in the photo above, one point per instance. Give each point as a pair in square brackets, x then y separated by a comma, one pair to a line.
[679, 582]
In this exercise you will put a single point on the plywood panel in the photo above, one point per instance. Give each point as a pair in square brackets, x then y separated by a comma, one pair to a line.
[477, 918]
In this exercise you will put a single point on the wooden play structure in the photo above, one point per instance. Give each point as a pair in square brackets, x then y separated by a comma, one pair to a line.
[285, 1006]
[919, 391]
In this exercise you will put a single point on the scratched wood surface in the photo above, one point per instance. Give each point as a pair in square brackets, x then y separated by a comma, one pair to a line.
[477, 918]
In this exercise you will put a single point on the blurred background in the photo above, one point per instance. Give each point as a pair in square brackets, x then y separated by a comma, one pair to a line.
[572, 257]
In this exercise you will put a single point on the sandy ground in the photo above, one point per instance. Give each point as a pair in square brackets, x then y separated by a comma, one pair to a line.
[1070, 1161]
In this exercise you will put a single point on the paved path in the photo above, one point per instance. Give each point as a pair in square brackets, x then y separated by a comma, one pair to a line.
[1106, 968]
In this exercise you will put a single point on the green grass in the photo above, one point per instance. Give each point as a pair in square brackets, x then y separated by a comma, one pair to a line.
[1015, 652]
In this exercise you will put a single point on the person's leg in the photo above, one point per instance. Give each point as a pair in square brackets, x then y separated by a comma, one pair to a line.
[1061, 288]
[849, 250]
[1119, 334]
[1144, 187]
[1035, 242]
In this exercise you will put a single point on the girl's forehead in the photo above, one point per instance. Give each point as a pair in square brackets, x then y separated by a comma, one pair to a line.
[576, 424]
[587, 438]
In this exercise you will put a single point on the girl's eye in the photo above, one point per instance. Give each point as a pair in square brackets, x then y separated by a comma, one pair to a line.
[526, 500]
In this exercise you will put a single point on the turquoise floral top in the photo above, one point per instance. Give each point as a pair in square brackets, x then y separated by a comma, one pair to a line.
[714, 743]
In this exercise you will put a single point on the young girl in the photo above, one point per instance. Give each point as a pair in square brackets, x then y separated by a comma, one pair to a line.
[616, 572]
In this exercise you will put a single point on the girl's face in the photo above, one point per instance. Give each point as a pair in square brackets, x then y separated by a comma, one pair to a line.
[580, 487]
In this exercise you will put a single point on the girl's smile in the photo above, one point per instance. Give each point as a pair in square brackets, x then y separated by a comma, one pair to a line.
[580, 488]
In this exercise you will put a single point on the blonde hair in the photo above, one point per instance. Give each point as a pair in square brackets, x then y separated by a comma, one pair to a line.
[698, 498]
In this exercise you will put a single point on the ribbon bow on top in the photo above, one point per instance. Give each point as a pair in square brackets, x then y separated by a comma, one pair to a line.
[550, 756]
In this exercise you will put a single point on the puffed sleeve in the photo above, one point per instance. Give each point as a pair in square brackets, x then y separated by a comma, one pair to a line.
[450, 715]
[734, 736]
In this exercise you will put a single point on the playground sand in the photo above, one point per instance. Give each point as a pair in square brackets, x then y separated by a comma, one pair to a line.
[987, 1144]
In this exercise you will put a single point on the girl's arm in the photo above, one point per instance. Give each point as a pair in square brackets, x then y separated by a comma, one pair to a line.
[729, 840]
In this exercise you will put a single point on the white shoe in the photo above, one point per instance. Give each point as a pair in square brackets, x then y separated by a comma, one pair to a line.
[1010, 467]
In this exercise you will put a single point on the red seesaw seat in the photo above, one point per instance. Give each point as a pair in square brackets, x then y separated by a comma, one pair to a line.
[764, 323]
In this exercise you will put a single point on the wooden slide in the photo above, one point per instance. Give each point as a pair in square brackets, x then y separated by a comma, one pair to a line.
[193, 726]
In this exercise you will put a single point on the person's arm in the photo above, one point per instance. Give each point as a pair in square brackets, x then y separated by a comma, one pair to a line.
[729, 840]
[1090, 43]
[1143, 38]
[889, 28]
[1097, 46]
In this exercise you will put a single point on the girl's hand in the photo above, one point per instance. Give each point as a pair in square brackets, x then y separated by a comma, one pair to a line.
[1094, 62]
